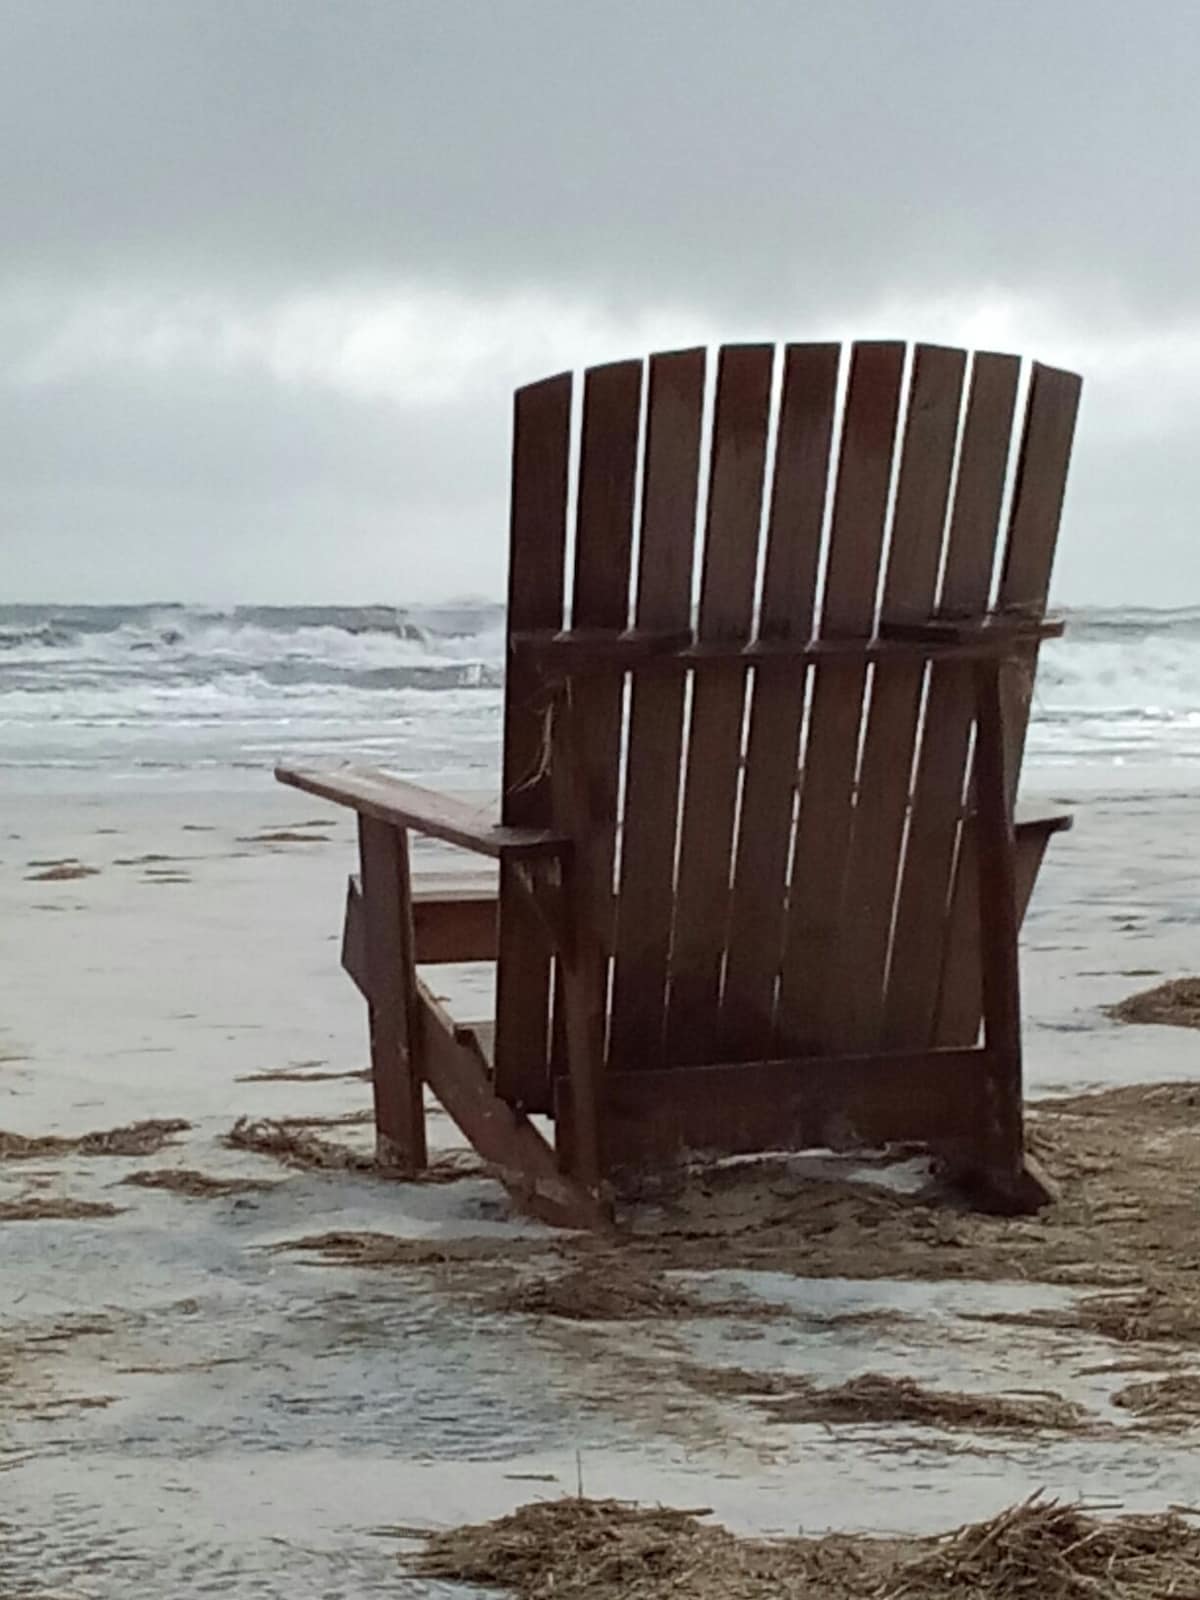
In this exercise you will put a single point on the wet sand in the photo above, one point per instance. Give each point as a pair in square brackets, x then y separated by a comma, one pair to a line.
[187, 1410]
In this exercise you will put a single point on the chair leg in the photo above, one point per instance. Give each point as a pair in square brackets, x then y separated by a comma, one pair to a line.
[1010, 1182]
[394, 1013]
[582, 988]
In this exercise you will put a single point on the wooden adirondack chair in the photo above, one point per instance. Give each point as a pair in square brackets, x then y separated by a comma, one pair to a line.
[759, 881]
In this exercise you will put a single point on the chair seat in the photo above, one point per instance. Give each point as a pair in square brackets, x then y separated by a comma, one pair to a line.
[485, 1037]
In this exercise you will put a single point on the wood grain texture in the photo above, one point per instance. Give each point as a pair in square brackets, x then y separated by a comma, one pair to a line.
[926, 879]
[449, 925]
[437, 816]
[848, 611]
[1002, 1142]
[587, 736]
[662, 654]
[756, 922]
[666, 554]
[600, 599]
[855, 1010]
[960, 1005]
[718, 701]
[1029, 550]
[659, 1117]
[540, 461]
[457, 1072]
[396, 1040]
[1030, 544]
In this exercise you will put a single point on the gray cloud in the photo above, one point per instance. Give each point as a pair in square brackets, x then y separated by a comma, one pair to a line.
[776, 146]
[774, 166]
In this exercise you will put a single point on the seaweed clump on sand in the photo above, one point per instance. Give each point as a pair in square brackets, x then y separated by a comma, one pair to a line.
[598, 1291]
[302, 1074]
[1166, 1312]
[54, 1208]
[134, 1139]
[874, 1397]
[1058, 1552]
[367, 1249]
[611, 1287]
[292, 1141]
[578, 1549]
[1171, 1403]
[283, 836]
[68, 870]
[196, 1185]
[1174, 1004]
[131, 1139]
[296, 1146]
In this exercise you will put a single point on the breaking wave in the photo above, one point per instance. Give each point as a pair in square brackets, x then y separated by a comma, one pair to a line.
[173, 685]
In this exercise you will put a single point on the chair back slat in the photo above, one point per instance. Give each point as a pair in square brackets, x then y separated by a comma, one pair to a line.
[608, 462]
[755, 943]
[855, 997]
[1039, 486]
[666, 553]
[826, 797]
[926, 876]
[730, 562]
[537, 554]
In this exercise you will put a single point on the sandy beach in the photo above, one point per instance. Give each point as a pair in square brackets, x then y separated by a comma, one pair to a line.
[188, 1409]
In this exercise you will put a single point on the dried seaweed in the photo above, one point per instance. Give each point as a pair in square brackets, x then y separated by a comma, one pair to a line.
[1170, 1403]
[608, 1290]
[290, 1140]
[22, 1147]
[67, 873]
[1173, 1004]
[394, 1250]
[54, 1208]
[299, 1075]
[54, 1406]
[131, 1139]
[876, 1397]
[604, 1550]
[611, 1287]
[197, 1185]
[134, 1138]
[1167, 1311]
[1041, 1550]
[296, 1146]
[577, 1549]
[284, 836]
[331, 1119]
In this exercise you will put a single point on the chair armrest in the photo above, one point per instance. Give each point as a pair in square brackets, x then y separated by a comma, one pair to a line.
[406, 805]
[1028, 823]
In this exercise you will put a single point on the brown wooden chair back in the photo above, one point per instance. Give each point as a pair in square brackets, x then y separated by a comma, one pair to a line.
[777, 854]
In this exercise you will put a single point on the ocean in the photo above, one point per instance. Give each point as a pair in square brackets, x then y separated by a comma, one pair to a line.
[170, 693]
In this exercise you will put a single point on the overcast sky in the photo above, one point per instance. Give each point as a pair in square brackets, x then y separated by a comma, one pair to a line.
[269, 269]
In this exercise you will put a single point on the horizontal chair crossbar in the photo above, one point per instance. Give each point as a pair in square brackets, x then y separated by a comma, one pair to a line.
[598, 649]
[658, 1115]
